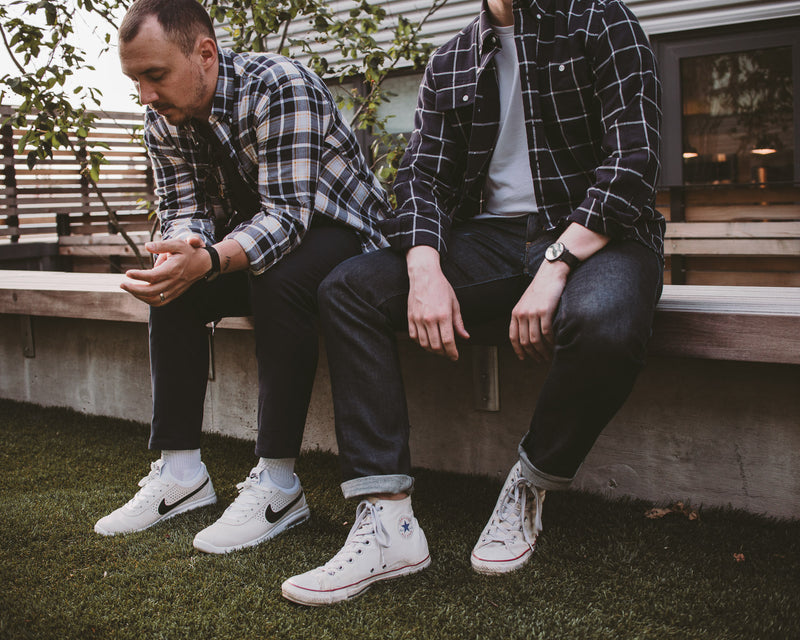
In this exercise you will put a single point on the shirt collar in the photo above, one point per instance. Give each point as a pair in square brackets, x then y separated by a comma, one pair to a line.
[486, 33]
[225, 95]
[485, 24]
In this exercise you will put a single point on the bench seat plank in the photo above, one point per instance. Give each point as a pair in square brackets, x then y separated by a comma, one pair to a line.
[757, 324]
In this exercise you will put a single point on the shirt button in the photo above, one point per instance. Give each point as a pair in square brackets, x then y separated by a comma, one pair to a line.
[464, 98]
[538, 16]
[561, 67]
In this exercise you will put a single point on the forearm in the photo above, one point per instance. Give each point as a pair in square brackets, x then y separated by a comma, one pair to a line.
[582, 242]
[421, 260]
[231, 257]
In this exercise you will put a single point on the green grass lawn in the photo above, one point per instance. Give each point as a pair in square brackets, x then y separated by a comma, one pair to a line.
[601, 569]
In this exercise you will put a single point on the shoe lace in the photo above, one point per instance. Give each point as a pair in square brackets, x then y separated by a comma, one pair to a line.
[509, 520]
[368, 529]
[150, 484]
[250, 498]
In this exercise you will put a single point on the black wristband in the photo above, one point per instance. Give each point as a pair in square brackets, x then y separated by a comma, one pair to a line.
[214, 271]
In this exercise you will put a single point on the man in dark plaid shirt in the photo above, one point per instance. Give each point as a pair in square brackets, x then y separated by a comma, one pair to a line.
[262, 190]
[526, 195]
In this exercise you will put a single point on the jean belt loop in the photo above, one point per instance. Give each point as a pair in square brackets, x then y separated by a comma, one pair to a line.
[534, 227]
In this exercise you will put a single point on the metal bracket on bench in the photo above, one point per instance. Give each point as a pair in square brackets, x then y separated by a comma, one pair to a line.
[485, 378]
[212, 373]
[26, 332]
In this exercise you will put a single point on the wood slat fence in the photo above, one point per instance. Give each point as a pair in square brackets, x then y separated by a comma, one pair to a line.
[54, 203]
[732, 234]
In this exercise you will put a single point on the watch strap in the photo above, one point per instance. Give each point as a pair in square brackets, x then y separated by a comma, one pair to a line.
[214, 271]
[570, 259]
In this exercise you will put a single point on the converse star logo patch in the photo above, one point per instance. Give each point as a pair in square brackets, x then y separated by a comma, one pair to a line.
[405, 526]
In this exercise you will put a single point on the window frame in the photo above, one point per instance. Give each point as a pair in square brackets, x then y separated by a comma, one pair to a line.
[670, 50]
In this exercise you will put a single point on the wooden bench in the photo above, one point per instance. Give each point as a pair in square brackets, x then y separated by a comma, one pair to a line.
[753, 324]
[750, 324]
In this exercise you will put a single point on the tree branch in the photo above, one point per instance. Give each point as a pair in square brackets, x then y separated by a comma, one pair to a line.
[10, 52]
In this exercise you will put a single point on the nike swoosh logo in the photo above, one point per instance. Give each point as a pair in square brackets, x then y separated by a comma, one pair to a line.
[166, 508]
[274, 516]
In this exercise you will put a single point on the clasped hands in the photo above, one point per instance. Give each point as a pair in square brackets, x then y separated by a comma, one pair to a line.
[178, 266]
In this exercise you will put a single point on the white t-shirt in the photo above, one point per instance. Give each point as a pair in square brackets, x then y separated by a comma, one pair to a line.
[509, 185]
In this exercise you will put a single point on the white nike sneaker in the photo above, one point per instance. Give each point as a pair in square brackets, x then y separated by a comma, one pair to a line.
[508, 540]
[260, 512]
[385, 542]
[160, 497]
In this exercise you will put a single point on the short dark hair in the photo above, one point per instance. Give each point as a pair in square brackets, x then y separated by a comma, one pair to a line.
[182, 21]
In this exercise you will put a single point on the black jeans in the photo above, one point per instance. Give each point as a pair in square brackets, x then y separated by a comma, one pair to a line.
[283, 303]
[602, 327]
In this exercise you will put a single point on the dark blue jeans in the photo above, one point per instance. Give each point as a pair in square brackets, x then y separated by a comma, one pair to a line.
[283, 303]
[602, 327]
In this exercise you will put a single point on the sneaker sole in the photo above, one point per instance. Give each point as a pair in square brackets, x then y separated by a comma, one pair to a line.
[499, 567]
[289, 521]
[312, 598]
[208, 500]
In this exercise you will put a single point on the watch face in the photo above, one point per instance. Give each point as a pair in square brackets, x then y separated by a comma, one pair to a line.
[554, 251]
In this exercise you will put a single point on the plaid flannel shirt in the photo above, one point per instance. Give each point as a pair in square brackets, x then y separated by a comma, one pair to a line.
[280, 126]
[590, 95]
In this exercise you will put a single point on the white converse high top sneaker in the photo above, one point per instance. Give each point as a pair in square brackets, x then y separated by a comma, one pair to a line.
[509, 537]
[384, 542]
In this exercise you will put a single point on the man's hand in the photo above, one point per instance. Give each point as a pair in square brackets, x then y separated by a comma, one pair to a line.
[179, 265]
[531, 329]
[433, 309]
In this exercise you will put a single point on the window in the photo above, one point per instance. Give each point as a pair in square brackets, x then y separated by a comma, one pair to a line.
[731, 154]
[729, 111]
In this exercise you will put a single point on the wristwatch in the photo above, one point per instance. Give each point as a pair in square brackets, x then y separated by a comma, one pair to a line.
[214, 271]
[557, 251]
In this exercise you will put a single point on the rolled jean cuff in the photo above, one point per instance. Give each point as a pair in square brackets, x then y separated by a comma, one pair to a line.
[539, 478]
[372, 485]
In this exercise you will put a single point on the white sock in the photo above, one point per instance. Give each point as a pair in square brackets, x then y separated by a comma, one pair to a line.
[281, 470]
[183, 464]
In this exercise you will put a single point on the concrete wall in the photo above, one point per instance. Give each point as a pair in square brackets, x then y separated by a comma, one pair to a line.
[705, 432]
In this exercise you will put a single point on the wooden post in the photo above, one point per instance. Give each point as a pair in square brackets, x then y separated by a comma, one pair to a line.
[10, 179]
[677, 213]
[85, 192]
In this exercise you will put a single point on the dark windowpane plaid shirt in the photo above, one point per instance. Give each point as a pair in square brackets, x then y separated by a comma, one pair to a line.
[279, 125]
[592, 117]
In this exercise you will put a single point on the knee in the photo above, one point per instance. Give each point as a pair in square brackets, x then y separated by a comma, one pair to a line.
[606, 330]
[362, 281]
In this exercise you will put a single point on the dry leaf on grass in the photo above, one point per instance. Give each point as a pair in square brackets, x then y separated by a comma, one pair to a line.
[678, 507]
[738, 557]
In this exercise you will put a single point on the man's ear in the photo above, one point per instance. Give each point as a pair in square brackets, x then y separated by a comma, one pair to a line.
[207, 50]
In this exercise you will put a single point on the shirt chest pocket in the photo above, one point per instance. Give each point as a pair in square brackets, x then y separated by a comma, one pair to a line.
[453, 98]
[566, 88]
